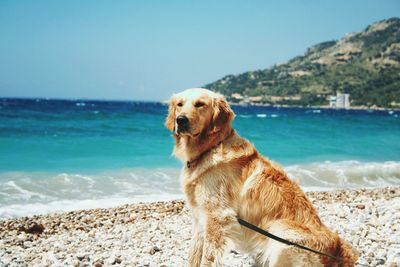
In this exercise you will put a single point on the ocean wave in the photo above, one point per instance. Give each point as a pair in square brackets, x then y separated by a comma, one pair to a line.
[260, 115]
[346, 174]
[316, 111]
[27, 193]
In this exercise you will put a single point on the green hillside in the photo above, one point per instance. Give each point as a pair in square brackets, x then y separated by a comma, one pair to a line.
[365, 64]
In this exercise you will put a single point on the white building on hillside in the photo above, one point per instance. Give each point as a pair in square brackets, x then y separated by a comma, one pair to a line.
[340, 101]
[332, 101]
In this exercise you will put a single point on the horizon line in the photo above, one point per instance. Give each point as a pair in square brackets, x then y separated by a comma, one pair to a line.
[79, 99]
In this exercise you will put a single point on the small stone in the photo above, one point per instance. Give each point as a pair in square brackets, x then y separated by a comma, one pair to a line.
[154, 249]
[360, 206]
[117, 261]
[234, 252]
[33, 228]
[82, 257]
[393, 264]
[380, 261]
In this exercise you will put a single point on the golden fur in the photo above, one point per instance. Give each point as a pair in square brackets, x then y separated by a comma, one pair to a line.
[226, 177]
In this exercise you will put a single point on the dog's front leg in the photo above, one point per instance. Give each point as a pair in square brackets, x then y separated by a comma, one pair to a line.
[220, 227]
[196, 250]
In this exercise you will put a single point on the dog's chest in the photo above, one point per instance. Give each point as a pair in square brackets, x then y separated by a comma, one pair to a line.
[200, 187]
[189, 188]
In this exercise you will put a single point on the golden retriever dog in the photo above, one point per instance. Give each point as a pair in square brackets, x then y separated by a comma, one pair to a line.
[224, 177]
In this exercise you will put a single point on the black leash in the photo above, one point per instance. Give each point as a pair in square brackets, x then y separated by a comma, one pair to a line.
[284, 241]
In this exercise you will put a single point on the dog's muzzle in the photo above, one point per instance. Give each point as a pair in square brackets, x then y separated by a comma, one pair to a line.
[182, 123]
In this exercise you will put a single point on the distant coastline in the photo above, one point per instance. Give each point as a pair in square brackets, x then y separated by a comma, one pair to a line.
[165, 102]
[359, 70]
[315, 107]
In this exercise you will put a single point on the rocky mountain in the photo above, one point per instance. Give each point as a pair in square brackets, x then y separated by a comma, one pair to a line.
[365, 65]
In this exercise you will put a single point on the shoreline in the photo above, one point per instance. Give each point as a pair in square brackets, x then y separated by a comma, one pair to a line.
[71, 191]
[158, 233]
[365, 108]
[165, 102]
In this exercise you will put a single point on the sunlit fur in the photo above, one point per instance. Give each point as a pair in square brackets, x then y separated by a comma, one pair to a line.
[229, 178]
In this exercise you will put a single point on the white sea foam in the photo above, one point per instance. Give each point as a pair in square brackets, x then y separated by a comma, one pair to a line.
[25, 193]
[346, 174]
[261, 115]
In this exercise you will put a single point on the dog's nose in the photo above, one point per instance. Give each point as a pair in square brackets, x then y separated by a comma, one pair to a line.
[182, 120]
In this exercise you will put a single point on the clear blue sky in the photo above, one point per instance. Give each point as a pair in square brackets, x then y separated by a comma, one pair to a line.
[146, 50]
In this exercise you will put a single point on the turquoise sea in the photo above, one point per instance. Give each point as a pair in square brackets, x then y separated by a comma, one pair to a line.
[59, 155]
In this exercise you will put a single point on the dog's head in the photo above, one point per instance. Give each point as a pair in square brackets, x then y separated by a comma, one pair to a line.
[198, 112]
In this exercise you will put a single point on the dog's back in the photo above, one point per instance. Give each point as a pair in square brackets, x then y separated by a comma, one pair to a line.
[270, 200]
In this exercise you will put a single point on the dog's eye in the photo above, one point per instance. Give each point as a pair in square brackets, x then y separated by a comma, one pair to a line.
[180, 104]
[199, 104]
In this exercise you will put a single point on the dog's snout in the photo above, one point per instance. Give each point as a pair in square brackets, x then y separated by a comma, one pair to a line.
[182, 120]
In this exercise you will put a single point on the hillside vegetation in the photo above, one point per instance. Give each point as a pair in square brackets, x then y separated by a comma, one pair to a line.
[365, 64]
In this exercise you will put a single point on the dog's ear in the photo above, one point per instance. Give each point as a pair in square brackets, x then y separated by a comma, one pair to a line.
[223, 114]
[170, 120]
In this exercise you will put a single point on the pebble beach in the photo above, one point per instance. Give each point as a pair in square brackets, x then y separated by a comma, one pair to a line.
[159, 233]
